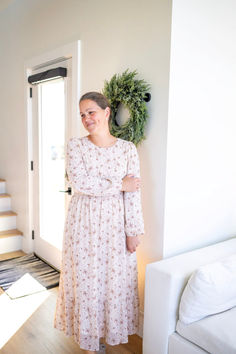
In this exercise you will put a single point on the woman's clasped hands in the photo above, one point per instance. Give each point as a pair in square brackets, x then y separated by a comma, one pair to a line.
[130, 183]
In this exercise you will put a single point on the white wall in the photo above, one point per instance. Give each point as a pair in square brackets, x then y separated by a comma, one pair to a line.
[115, 35]
[201, 170]
[200, 202]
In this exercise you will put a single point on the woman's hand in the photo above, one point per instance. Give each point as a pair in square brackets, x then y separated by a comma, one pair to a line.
[132, 243]
[130, 183]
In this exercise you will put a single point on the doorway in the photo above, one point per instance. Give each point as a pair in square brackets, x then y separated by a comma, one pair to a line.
[53, 122]
[51, 102]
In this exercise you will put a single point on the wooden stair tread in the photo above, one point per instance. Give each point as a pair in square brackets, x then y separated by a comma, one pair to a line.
[7, 213]
[4, 195]
[9, 255]
[8, 233]
[2, 180]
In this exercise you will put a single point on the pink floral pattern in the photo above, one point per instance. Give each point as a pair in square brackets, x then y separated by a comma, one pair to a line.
[98, 290]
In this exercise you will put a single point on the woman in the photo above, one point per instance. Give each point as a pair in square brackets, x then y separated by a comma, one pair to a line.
[98, 292]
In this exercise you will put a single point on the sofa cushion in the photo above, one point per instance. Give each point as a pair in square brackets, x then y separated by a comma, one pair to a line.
[211, 289]
[215, 334]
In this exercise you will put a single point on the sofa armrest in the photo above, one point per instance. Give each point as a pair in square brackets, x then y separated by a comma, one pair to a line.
[164, 284]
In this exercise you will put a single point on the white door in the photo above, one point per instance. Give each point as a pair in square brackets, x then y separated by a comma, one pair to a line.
[51, 105]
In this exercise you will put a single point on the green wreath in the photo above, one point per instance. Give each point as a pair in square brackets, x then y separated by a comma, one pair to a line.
[132, 93]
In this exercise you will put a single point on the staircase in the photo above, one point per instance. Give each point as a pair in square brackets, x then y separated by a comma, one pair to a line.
[10, 237]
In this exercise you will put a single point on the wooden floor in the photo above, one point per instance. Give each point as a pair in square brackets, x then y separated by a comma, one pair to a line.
[32, 320]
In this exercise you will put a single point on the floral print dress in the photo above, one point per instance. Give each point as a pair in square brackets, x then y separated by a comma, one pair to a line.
[98, 290]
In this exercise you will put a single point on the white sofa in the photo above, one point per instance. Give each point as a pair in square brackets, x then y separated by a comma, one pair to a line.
[164, 285]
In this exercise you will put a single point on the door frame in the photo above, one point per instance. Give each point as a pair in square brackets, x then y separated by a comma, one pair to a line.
[71, 50]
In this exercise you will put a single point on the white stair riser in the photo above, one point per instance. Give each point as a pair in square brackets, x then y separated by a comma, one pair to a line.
[2, 187]
[7, 223]
[5, 204]
[10, 244]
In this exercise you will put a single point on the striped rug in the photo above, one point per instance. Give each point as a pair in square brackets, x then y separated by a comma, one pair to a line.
[26, 275]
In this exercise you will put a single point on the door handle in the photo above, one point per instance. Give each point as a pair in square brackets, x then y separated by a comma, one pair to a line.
[68, 191]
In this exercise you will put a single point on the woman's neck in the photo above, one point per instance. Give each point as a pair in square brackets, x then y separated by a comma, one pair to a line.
[103, 139]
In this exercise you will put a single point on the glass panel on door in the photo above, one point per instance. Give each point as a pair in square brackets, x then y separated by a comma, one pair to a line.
[52, 161]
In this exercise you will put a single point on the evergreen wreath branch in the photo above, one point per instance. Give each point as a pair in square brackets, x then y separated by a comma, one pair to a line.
[131, 92]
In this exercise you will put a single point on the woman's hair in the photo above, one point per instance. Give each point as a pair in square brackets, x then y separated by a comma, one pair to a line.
[97, 97]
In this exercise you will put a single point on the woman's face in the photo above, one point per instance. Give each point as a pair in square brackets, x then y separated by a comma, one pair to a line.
[94, 118]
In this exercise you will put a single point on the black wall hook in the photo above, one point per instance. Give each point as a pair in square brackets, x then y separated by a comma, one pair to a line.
[147, 97]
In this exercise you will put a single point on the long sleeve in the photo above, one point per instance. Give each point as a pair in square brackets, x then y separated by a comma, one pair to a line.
[134, 224]
[84, 183]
